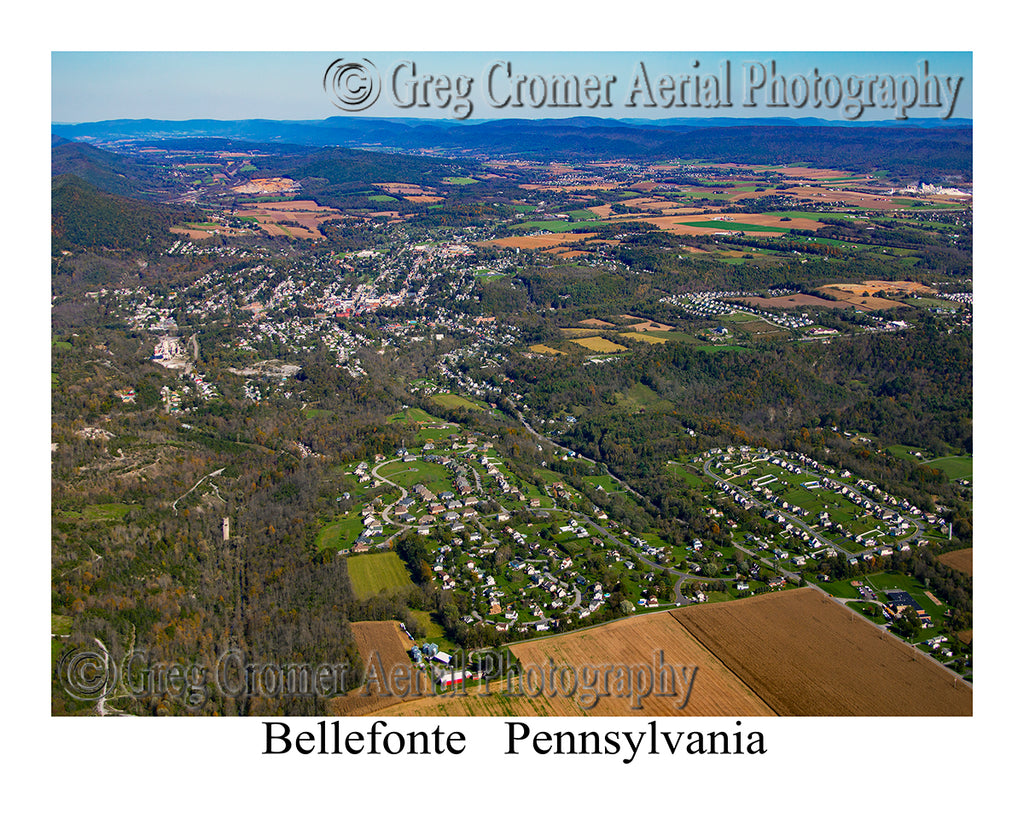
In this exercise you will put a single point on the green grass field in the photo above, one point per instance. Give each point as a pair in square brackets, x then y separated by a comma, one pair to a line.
[451, 401]
[955, 466]
[685, 473]
[873, 611]
[838, 588]
[340, 534]
[106, 512]
[433, 476]
[554, 225]
[702, 194]
[916, 203]
[424, 434]
[459, 180]
[101, 512]
[311, 412]
[373, 574]
[720, 225]
[669, 335]
[606, 482]
[433, 631]
[414, 415]
[641, 397]
[60, 624]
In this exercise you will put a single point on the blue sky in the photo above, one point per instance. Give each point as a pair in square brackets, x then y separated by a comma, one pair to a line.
[89, 86]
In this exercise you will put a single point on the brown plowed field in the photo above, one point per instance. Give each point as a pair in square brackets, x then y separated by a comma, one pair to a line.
[903, 287]
[806, 655]
[542, 242]
[387, 641]
[962, 560]
[624, 644]
[304, 217]
[790, 302]
[646, 326]
[792, 653]
[846, 295]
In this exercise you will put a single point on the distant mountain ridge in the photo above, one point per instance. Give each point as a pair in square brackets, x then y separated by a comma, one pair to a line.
[911, 148]
[107, 171]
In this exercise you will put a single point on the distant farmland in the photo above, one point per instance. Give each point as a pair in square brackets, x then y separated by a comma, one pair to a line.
[599, 345]
[795, 301]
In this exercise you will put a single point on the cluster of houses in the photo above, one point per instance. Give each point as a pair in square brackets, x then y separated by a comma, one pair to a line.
[892, 520]
[705, 305]
[713, 304]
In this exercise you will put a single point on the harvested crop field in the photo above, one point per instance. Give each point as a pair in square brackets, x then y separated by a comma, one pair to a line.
[383, 648]
[300, 218]
[543, 349]
[791, 653]
[545, 241]
[598, 344]
[898, 287]
[847, 296]
[805, 655]
[769, 220]
[962, 560]
[625, 644]
[646, 326]
[648, 339]
[794, 301]
[810, 173]
[832, 196]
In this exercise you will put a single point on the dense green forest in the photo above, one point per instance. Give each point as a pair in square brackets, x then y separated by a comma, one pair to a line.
[84, 217]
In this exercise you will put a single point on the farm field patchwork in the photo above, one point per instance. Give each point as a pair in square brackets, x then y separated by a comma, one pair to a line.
[634, 642]
[793, 653]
